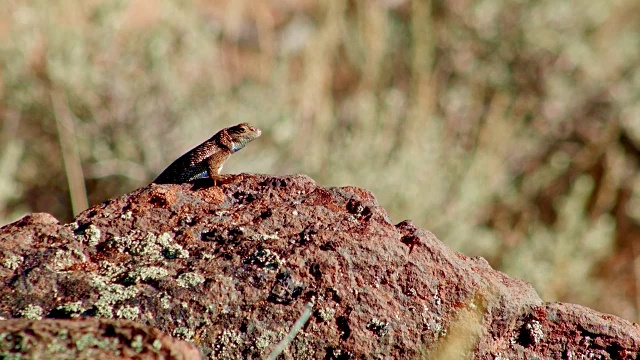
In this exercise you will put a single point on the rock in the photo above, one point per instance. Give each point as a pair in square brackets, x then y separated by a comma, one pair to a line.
[231, 268]
[88, 338]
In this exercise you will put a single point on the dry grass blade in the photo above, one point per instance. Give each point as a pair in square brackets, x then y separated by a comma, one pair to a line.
[293, 332]
[70, 156]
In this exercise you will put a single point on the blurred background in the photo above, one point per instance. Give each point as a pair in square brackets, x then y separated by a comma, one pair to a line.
[510, 129]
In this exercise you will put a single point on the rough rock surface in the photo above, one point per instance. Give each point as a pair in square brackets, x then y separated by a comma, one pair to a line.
[230, 269]
[88, 338]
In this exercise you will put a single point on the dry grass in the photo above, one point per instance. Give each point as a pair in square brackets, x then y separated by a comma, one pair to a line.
[509, 129]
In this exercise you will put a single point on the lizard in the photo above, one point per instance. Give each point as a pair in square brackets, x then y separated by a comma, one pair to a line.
[207, 159]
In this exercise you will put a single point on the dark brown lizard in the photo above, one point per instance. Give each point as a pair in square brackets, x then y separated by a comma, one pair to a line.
[207, 159]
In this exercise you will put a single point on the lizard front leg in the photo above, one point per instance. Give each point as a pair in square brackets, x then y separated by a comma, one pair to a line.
[214, 165]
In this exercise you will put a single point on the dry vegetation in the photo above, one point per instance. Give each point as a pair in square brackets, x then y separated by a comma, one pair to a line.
[510, 129]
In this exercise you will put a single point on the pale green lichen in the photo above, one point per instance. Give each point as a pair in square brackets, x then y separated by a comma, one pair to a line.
[170, 250]
[378, 327]
[137, 344]
[302, 348]
[110, 294]
[175, 251]
[62, 334]
[165, 239]
[12, 261]
[104, 310]
[56, 347]
[147, 273]
[165, 301]
[63, 259]
[268, 259]
[265, 237]
[326, 314]
[190, 280]
[73, 309]
[207, 256]
[93, 235]
[32, 312]
[151, 248]
[266, 338]
[147, 248]
[535, 331]
[157, 345]
[126, 216]
[88, 341]
[128, 312]
[17, 343]
[110, 270]
[183, 333]
[229, 342]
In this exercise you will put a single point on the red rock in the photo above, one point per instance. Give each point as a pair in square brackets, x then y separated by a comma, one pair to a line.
[89, 338]
[231, 268]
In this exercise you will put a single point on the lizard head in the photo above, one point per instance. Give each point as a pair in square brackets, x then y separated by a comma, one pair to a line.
[242, 134]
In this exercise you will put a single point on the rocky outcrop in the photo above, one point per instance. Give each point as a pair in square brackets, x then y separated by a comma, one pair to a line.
[88, 338]
[231, 268]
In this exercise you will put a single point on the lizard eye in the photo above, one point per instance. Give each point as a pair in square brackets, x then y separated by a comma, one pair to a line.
[241, 129]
